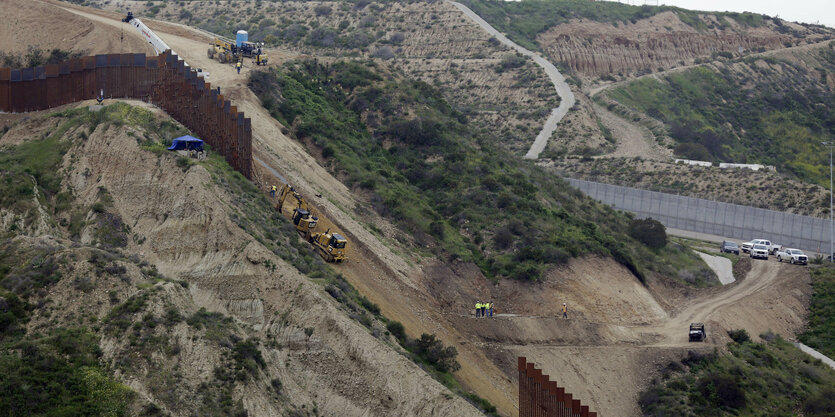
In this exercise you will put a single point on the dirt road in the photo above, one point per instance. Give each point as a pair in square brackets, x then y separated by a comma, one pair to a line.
[606, 362]
[562, 89]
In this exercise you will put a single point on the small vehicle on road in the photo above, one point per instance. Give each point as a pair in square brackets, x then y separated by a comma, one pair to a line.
[793, 256]
[697, 332]
[771, 247]
[729, 247]
[759, 251]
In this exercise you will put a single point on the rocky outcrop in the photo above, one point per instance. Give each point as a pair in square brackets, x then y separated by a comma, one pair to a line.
[596, 49]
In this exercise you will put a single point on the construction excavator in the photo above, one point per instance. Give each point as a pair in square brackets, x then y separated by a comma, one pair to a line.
[331, 246]
[303, 219]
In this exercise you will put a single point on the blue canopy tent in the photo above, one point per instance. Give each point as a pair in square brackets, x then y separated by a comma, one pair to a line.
[186, 143]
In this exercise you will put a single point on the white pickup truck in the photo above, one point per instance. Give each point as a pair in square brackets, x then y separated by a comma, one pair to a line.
[795, 256]
[772, 247]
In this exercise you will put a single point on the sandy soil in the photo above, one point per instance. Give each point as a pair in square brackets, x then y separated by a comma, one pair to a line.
[619, 330]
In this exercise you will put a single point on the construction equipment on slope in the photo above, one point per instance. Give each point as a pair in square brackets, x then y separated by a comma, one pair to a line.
[228, 50]
[331, 246]
[224, 50]
[303, 219]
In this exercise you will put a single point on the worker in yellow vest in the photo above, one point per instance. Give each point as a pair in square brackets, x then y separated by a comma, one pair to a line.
[564, 311]
[238, 66]
[490, 309]
[272, 191]
[477, 309]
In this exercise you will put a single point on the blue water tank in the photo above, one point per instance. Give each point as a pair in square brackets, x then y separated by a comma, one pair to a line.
[241, 38]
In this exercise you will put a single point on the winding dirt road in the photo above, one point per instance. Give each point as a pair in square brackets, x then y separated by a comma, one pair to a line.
[563, 90]
[606, 364]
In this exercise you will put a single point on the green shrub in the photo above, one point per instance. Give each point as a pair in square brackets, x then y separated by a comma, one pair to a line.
[396, 329]
[820, 331]
[739, 336]
[648, 231]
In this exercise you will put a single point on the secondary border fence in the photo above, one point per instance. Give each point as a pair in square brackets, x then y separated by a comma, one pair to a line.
[713, 217]
[163, 80]
[541, 397]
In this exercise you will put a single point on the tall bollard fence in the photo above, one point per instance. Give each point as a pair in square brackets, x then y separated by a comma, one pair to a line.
[541, 397]
[163, 80]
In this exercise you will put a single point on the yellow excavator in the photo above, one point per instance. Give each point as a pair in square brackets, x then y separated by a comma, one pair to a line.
[303, 219]
[331, 246]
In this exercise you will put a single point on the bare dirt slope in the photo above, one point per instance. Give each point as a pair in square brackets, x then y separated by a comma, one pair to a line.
[26, 23]
[180, 220]
[612, 309]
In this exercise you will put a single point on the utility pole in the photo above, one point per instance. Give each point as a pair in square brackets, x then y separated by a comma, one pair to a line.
[831, 229]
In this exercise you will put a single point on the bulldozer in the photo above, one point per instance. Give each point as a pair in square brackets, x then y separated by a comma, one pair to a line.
[331, 245]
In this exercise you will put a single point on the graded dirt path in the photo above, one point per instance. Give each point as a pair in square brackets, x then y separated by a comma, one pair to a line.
[633, 140]
[563, 90]
[605, 362]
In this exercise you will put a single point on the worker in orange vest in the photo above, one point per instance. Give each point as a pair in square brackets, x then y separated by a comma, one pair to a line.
[564, 311]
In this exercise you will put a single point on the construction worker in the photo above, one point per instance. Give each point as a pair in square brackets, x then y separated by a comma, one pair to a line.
[484, 309]
[477, 309]
[490, 308]
[564, 311]
[238, 66]
[272, 191]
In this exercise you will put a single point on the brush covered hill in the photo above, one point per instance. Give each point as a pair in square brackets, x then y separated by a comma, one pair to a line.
[431, 41]
[136, 282]
[447, 184]
[615, 40]
[771, 109]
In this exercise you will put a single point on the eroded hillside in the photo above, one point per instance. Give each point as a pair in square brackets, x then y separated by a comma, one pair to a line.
[770, 109]
[191, 286]
[431, 41]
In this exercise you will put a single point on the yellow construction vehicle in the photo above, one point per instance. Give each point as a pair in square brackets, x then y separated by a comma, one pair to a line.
[331, 245]
[303, 219]
[224, 50]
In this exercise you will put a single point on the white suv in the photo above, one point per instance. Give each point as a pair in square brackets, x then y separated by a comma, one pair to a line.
[759, 251]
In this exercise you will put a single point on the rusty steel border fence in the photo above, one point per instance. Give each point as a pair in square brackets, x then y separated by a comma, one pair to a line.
[163, 80]
[541, 397]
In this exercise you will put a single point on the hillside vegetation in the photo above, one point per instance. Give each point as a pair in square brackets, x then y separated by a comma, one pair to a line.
[92, 205]
[769, 110]
[431, 41]
[820, 333]
[769, 378]
[523, 21]
[445, 182]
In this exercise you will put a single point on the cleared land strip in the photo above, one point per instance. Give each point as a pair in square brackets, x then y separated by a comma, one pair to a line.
[566, 96]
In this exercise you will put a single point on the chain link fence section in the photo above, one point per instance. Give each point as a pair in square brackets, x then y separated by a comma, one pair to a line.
[712, 217]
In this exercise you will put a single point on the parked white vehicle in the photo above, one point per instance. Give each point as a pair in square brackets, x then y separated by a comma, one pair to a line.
[772, 248]
[795, 256]
[759, 251]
